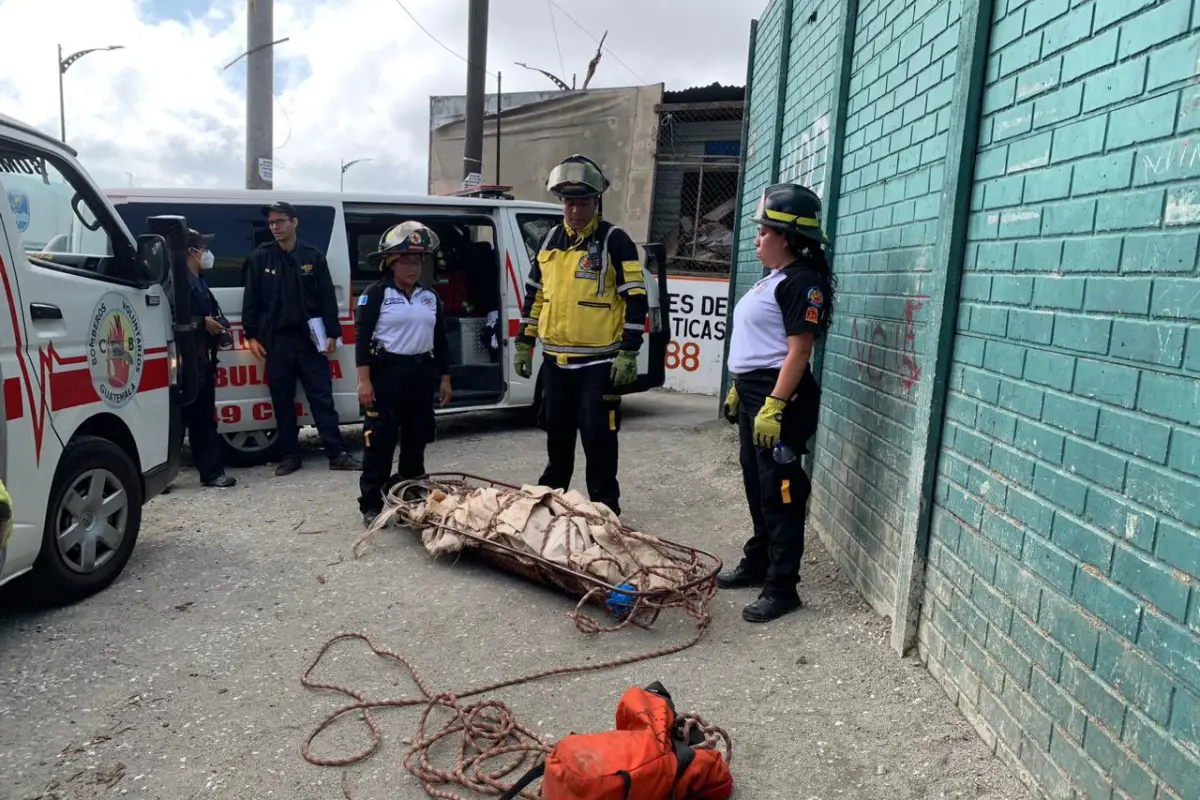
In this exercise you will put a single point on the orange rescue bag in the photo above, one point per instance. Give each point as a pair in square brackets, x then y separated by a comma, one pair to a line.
[643, 759]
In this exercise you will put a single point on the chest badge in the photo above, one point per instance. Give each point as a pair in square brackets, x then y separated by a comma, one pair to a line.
[306, 268]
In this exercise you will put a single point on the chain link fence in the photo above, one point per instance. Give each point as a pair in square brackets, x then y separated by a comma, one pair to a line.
[695, 189]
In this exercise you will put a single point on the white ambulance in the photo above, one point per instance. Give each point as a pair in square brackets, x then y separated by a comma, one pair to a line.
[488, 241]
[88, 368]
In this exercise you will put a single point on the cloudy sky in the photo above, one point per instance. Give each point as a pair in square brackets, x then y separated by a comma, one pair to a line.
[354, 80]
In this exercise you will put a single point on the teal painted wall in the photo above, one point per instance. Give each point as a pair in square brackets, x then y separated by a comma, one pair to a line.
[898, 114]
[1058, 578]
[758, 171]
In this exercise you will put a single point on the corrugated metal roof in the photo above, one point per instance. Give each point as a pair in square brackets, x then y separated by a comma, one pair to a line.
[713, 93]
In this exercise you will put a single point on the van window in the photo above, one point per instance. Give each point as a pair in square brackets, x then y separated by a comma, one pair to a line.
[239, 228]
[465, 272]
[60, 222]
[534, 230]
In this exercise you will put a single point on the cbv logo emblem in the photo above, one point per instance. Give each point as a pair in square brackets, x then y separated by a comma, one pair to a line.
[19, 201]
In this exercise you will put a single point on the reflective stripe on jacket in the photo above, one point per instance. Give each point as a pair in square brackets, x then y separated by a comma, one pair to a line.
[585, 297]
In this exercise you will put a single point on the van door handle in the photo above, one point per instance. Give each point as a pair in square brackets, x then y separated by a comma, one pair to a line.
[44, 311]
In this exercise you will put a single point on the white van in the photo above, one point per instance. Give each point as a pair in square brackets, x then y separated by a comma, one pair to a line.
[488, 242]
[89, 368]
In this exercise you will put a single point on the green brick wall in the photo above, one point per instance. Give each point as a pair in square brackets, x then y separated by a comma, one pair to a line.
[1061, 610]
[759, 171]
[1058, 559]
[898, 112]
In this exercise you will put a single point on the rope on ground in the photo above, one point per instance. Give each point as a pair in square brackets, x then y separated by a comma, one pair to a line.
[493, 745]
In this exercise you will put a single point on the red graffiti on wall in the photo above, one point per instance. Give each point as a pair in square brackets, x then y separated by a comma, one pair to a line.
[872, 347]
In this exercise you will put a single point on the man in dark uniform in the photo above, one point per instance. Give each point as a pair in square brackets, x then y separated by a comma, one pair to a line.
[199, 417]
[287, 284]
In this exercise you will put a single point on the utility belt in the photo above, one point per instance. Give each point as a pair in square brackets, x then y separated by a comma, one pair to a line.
[383, 358]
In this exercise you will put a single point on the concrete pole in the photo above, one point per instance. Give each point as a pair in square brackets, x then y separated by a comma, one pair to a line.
[477, 32]
[260, 95]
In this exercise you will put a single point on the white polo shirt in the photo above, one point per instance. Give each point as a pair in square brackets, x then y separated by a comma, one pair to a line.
[406, 325]
[784, 303]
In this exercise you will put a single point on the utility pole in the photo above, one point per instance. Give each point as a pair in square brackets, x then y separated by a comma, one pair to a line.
[260, 94]
[477, 32]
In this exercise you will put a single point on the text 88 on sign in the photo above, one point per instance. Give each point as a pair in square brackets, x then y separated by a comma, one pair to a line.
[699, 311]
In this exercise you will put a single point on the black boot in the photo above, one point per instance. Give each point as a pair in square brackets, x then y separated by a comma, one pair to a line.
[288, 465]
[345, 462]
[771, 606]
[740, 578]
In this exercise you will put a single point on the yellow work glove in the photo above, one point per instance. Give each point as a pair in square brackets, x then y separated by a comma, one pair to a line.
[624, 369]
[523, 360]
[731, 406]
[768, 422]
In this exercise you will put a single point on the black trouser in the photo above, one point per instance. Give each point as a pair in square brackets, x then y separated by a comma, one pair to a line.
[293, 357]
[403, 413]
[583, 400]
[200, 421]
[776, 493]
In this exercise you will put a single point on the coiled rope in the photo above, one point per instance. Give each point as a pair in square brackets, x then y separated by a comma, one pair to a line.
[492, 744]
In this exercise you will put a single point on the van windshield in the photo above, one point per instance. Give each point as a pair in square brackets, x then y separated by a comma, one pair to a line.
[56, 223]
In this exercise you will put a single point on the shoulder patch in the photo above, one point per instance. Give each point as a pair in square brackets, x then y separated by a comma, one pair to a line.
[812, 315]
[815, 296]
[362, 299]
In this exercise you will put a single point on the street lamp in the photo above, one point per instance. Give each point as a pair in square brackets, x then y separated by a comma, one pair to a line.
[347, 165]
[63, 65]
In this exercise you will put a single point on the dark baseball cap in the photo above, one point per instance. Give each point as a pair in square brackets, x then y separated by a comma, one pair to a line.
[281, 207]
[197, 239]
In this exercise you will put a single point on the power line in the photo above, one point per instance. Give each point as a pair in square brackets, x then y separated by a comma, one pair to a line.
[562, 65]
[438, 41]
[567, 14]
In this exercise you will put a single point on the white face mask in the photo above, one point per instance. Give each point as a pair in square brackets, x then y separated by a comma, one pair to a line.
[206, 260]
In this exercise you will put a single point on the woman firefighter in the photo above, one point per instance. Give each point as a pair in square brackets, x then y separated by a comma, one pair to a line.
[401, 350]
[775, 397]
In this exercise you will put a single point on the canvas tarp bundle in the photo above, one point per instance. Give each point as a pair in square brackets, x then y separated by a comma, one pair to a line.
[561, 527]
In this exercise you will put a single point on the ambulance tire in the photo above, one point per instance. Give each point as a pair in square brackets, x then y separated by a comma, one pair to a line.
[241, 458]
[53, 581]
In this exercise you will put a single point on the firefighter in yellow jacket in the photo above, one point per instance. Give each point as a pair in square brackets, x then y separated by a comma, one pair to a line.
[586, 300]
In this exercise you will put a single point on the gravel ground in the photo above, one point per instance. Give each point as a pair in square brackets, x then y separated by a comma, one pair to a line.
[182, 680]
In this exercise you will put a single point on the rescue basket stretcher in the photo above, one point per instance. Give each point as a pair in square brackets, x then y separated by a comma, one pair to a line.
[553, 538]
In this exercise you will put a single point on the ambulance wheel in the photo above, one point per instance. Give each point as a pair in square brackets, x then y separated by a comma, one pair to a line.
[92, 521]
[249, 448]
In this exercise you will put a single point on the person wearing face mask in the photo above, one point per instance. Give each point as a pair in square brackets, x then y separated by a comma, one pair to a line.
[585, 299]
[402, 354]
[200, 417]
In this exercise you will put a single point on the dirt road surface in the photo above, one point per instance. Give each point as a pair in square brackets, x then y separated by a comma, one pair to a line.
[182, 680]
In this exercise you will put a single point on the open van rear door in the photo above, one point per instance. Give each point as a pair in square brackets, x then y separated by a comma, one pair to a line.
[658, 331]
